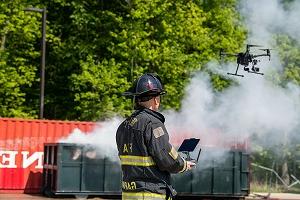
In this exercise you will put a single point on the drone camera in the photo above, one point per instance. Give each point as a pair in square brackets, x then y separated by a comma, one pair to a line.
[246, 69]
[255, 69]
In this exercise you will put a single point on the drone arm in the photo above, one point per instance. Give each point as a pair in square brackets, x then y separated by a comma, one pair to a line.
[260, 55]
[228, 54]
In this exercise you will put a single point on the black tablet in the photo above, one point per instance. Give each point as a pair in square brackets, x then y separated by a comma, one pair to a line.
[188, 145]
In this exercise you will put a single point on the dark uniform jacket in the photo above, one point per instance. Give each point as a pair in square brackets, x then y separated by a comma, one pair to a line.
[147, 157]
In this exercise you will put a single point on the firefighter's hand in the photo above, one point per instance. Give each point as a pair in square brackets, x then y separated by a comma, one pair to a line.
[190, 165]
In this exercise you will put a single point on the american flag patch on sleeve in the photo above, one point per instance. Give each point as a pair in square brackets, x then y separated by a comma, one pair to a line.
[157, 132]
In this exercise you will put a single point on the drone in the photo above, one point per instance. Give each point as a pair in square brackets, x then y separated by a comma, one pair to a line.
[246, 59]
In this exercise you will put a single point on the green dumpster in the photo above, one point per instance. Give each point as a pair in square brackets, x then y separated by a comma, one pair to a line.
[74, 169]
[225, 176]
[77, 169]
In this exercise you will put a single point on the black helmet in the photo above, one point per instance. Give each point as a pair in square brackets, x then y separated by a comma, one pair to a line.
[146, 85]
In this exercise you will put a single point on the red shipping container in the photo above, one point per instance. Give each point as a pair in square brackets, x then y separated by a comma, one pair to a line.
[21, 150]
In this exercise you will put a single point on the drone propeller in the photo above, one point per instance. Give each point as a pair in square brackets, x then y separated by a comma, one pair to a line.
[253, 45]
[222, 53]
[267, 51]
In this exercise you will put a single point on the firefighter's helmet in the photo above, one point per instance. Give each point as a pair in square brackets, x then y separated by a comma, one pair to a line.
[146, 85]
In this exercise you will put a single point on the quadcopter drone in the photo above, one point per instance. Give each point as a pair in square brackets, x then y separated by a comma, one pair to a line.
[246, 58]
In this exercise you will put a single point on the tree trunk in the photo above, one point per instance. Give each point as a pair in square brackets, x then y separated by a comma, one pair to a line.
[3, 42]
[285, 172]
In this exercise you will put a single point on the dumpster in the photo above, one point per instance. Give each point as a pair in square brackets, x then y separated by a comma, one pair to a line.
[219, 177]
[74, 169]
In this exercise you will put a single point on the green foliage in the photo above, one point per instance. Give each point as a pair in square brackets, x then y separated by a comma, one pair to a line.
[19, 32]
[97, 48]
[97, 89]
[174, 40]
[289, 51]
[219, 83]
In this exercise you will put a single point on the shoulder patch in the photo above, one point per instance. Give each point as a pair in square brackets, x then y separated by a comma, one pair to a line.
[157, 132]
[133, 121]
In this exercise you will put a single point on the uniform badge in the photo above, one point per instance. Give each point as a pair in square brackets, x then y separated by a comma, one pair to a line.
[157, 132]
[133, 121]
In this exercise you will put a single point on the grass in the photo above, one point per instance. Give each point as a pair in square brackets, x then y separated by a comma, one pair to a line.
[265, 188]
[262, 187]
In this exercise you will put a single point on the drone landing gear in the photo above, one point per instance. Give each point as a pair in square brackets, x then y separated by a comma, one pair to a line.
[256, 72]
[236, 74]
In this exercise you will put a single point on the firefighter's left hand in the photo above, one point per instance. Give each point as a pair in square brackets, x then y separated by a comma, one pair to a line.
[190, 165]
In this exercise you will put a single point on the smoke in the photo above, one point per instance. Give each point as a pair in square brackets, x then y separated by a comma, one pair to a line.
[255, 106]
[269, 17]
[102, 138]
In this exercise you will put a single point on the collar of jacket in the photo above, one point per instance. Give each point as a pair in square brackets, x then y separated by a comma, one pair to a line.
[153, 113]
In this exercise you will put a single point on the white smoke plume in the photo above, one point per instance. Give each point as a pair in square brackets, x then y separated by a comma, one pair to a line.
[255, 106]
[268, 17]
[102, 138]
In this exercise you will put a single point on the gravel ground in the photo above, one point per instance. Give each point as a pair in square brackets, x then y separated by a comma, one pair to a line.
[37, 197]
[274, 196]
[255, 196]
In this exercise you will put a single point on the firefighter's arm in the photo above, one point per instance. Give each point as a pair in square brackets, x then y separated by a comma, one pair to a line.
[163, 153]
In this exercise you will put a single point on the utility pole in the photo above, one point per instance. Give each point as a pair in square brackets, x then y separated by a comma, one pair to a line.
[43, 57]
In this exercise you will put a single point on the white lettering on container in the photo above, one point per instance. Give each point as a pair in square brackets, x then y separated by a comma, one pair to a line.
[8, 159]
[31, 159]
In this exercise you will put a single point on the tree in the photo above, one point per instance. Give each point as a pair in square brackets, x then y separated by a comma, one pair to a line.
[95, 49]
[171, 39]
[289, 52]
[19, 33]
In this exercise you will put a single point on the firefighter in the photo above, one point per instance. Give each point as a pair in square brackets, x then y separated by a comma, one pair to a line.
[147, 157]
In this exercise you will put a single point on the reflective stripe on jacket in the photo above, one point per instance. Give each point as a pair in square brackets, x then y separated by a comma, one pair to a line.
[143, 196]
[143, 161]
